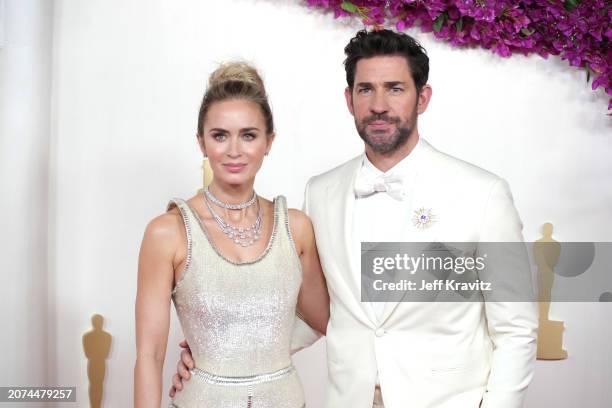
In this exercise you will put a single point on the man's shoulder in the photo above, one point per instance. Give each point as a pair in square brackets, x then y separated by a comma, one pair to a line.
[340, 172]
[451, 168]
[435, 163]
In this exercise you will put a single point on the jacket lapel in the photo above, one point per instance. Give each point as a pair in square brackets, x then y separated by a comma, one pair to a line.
[341, 203]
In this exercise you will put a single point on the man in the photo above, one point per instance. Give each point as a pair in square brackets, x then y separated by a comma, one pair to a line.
[410, 354]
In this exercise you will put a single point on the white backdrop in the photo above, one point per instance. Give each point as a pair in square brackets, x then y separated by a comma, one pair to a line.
[127, 78]
[25, 114]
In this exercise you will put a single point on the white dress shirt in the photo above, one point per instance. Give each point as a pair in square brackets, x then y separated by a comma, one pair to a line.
[380, 217]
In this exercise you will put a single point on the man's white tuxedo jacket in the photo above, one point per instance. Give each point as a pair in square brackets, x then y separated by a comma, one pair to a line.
[426, 354]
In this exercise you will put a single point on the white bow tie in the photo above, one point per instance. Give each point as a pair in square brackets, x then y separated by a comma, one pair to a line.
[392, 184]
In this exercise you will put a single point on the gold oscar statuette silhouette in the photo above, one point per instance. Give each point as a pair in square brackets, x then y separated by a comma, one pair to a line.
[207, 174]
[96, 345]
[546, 252]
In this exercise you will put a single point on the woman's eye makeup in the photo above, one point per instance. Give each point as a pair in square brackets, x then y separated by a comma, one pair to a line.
[220, 136]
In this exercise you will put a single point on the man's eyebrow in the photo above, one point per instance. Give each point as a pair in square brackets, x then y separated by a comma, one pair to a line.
[391, 84]
[387, 84]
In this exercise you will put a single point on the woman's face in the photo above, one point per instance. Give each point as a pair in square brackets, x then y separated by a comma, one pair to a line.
[234, 139]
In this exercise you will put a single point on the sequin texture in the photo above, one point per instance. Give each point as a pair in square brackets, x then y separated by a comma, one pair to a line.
[238, 319]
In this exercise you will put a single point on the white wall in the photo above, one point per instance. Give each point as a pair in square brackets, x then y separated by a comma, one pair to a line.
[25, 88]
[127, 79]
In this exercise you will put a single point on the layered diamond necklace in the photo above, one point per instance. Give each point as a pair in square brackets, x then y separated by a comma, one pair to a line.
[240, 236]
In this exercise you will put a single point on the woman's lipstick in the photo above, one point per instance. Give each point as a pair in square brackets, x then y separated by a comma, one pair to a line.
[234, 167]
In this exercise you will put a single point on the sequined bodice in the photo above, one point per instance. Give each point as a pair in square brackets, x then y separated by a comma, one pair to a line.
[238, 317]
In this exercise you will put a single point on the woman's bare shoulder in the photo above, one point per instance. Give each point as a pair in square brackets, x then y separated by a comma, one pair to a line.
[167, 226]
[298, 217]
[300, 228]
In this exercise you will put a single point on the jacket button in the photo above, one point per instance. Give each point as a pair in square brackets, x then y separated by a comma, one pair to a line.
[379, 332]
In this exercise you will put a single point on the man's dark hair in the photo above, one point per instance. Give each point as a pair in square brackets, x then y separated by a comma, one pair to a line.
[387, 43]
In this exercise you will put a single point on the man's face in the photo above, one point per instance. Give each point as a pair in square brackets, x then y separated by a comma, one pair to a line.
[384, 102]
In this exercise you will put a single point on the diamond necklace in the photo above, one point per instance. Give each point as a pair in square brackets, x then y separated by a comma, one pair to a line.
[240, 236]
[220, 203]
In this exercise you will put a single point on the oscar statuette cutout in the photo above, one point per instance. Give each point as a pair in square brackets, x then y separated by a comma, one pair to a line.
[96, 345]
[207, 175]
[550, 334]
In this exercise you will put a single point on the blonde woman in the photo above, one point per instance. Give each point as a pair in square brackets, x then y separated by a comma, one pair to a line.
[237, 266]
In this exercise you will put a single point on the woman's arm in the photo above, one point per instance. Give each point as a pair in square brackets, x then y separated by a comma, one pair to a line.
[155, 280]
[313, 300]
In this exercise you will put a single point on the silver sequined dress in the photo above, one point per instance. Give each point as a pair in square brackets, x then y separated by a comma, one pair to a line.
[238, 319]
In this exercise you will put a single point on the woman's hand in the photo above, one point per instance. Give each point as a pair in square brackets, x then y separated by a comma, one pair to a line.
[183, 366]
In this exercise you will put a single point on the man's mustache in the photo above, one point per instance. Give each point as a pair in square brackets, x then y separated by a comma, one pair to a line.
[383, 116]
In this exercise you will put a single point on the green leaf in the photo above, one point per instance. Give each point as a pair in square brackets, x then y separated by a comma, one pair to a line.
[588, 71]
[459, 24]
[570, 4]
[437, 26]
[526, 31]
[348, 6]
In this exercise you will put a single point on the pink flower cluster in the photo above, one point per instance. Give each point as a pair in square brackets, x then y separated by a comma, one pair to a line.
[579, 31]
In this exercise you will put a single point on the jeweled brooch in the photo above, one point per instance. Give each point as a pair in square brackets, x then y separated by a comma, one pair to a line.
[423, 218]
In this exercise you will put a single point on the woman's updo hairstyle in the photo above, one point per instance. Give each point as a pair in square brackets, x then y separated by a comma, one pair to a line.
[235, 80]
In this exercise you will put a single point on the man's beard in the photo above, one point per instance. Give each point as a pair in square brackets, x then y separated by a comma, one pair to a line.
[394, 141]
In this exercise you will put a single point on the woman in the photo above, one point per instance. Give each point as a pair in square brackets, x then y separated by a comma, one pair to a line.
[235, 264]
